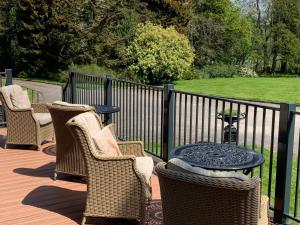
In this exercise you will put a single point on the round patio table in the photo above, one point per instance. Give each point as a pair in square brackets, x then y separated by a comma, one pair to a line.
[106, 110]
[219, 156]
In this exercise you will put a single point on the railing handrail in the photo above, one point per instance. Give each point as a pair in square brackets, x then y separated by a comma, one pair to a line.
[230, 100]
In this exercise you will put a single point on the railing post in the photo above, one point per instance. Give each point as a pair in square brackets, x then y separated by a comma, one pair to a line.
[168, 121]
[8, 77]
[108, 96]
[73, 87]
[284, 162]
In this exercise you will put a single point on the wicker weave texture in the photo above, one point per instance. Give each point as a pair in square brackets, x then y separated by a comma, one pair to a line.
[115, 188]
[196, 200]
[69, 159]
[22, 126]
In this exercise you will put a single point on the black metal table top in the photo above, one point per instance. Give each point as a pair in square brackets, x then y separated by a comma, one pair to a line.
[106, 109]
[218, 156]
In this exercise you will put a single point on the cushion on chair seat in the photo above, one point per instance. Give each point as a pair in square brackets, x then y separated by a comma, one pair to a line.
[145, 166]
[20, 99]
[43, 118]
[180, 165]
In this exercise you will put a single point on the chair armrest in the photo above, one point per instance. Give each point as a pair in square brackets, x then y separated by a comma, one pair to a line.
[40, 108]
[135, 148]
[23, 119]
[126, 167]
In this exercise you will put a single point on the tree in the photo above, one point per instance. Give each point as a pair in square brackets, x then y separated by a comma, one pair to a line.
[159, 55]
[219, 32]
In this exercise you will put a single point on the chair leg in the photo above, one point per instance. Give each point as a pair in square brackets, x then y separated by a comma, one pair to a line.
[55, 176]
[83, 220]
[5, 146]
[39, 148]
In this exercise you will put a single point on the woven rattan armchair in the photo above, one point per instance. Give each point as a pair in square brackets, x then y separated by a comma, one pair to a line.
[69, 159]
[24, 126]
[192, 199]
[115, 188]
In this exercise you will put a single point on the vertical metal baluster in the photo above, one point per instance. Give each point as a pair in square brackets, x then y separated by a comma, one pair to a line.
[123, 107]
[145, 118]
[148, 133]
[157, 114]
[254, 128]
[297, 181]
[179, 127]
[209, 119]
[137, 112]
[230, 121]
[197, 113]
[223, 117]
[238, 124]
[216, 121]
[152, 127]
[262, 140]
[185, 119]
[161, 119]
[246, 126]
[175, 118]
[271, 153]
[130, 112]
[141, 112]
[203, 119]
[191, 117]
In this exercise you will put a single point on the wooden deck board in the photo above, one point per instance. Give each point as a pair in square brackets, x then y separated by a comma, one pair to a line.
[29, 195]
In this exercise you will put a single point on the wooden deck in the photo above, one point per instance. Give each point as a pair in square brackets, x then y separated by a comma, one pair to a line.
[29, 195]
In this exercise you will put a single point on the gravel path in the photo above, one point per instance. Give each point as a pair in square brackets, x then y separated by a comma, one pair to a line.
[49, 92]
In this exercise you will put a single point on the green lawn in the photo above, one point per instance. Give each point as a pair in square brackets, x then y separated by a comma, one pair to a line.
[257, 89]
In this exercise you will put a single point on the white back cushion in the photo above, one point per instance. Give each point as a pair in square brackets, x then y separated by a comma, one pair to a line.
[177, 164]
[20, 99]
[7, 90]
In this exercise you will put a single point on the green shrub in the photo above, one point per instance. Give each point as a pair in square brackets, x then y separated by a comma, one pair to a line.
[220, 71]
[245, 71]
[159, 55]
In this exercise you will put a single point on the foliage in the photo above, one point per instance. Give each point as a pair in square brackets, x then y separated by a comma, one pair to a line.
[220, 71]
[159, 55]
[245, 71]
[219, 32]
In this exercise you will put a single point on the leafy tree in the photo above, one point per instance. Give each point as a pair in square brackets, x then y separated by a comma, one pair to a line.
[219, 32]
[159, 55]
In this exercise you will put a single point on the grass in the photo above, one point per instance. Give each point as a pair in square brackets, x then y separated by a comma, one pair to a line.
[265, 178]
[254, 89]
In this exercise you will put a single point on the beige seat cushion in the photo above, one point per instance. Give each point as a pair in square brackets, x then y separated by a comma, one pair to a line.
[106, 143]
[180, 165]
[60, 103]
[20, 100]
[145, 166]
[43, 118]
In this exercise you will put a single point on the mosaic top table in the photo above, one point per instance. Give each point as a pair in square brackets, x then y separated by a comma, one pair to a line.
[106, 110]
[219, 156]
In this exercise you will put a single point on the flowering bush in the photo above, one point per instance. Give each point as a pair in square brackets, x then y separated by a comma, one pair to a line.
[159, 55]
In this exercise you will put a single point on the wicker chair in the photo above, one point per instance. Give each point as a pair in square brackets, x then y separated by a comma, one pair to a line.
[69, 159]
[192, 199]
[25, 126]
[115, 187]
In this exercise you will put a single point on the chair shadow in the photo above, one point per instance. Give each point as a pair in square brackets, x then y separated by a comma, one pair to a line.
[46, 170]
[68, 203]
[50, 150]
[2, 141]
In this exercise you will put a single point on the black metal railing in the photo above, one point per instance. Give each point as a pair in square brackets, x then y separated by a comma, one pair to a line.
[165, 118]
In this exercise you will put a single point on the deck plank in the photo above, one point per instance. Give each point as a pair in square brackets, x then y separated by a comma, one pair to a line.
[30, 196]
